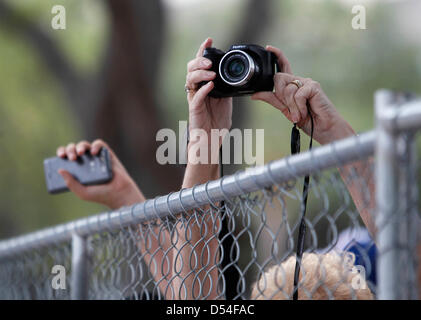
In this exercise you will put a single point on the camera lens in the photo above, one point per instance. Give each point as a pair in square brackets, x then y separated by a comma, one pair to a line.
[236, 68]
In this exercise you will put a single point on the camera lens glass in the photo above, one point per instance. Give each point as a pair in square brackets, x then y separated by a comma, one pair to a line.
[236, 68]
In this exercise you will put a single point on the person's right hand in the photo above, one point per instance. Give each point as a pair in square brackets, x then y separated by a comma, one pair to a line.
[329, 125]
[205, 113]
[120, 191]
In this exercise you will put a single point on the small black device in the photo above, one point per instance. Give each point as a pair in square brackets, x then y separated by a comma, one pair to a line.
[87, 169]
[242, 70]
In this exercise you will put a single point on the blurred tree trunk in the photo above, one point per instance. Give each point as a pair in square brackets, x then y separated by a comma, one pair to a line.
[127, 111]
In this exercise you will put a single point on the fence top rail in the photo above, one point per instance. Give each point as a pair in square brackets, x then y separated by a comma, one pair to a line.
[253, 179]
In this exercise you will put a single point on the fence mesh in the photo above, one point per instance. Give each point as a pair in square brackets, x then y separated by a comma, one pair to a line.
[188, 255]
[30, 275]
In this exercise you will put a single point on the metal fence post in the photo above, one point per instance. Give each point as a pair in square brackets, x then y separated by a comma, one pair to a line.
[79, 288]
[386, 198]
[393, 207]
[409, 208]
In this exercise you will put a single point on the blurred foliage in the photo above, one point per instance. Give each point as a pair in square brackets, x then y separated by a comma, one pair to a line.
[315, 35]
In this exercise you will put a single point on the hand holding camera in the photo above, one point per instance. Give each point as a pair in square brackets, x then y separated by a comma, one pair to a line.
[205, 112]
[291, 95]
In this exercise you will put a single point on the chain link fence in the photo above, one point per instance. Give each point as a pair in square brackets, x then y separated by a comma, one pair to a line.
[235, 238]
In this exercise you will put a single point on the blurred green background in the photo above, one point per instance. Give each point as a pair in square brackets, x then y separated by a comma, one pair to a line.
[118, 72]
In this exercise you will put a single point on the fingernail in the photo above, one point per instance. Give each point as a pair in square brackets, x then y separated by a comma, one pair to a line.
[79, 150]
[206, 63]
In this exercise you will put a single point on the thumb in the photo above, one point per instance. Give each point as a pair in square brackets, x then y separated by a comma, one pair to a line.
[268, 97]
[75, 186]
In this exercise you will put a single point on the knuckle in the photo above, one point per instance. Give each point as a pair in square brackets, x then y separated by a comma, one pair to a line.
[190, 65]
[70, 146]
[81, 144]
[99, 141]
[291, 88]
[316, 84]
[189, 77]
[299, 94]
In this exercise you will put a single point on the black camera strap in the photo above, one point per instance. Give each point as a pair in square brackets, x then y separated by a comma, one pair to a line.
[295, 148]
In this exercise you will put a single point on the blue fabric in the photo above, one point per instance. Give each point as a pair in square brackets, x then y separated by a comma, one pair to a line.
[359, 242]
[365, 255]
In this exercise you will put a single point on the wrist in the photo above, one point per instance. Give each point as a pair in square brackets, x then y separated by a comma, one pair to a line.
[128, 196]
[199, 174]
[340, 130]
[203, 152]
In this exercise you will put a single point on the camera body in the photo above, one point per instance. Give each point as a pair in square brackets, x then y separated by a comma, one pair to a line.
[242, 70]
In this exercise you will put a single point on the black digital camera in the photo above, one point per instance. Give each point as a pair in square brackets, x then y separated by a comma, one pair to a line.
[242, 70]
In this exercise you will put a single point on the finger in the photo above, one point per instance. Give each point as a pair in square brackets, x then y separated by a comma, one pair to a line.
[97, 145]
[303, 95]
[301, 102]
[282, 59]
[82, 147]
[199, 63]
[61, 152]
[75, 186]
[205, 44]
[269, 97]
[198, 76]
[289, 92]
[71, 151]
[281, 80]
[200, 96]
